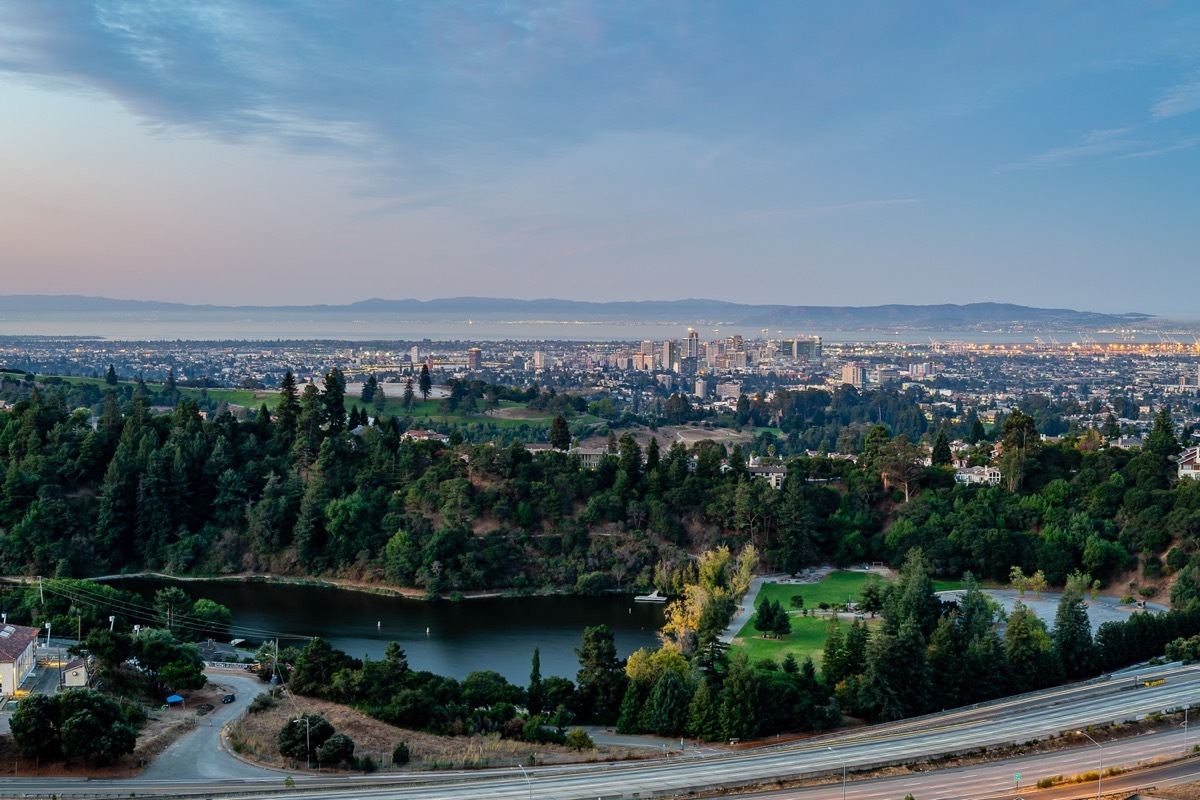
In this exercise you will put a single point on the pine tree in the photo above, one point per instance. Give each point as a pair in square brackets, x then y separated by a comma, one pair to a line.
[941, 449]
[288, 409]
[833, 669]
[666, 708]
[703, 720]
[1072, 635]
[110, 376]
[1162, 441]
[560, 434]
[737, 715]
[368, 390]
[334, 400]
[424, 382]
[536, 694]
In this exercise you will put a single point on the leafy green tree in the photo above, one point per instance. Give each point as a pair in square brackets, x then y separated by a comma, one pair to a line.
[337, 749]
[213, 619]
[900, 464]
[93, 726]
[302, 736]
[169, 665]
[1110, 430]
[871, 597]
[1021, 443]
[409, 398]
[173, 607]
[578, 739]
[35, 727]
[401, 754]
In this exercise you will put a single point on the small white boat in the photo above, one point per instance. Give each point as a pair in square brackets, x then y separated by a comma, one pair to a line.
[653, 597]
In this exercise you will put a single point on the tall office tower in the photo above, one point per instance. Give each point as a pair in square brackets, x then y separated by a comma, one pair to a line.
[414, 355]
[670, 354]
[474, 359]
[854, 374]
[691, 345]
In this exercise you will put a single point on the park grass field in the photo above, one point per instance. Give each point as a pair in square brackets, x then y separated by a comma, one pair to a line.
[808, 633]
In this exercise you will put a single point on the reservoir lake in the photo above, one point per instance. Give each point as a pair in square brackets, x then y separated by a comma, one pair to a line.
[449, 638]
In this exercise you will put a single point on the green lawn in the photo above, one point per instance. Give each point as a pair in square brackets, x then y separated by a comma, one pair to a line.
[808, 633]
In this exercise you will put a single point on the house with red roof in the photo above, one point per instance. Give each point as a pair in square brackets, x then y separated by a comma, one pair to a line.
[18, 654]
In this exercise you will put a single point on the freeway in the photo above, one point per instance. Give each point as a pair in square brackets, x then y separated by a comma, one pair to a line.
[1016, 720]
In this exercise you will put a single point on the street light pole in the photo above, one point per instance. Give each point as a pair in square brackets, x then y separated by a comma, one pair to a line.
[528, 782]
[839, 758]
[1100, 774]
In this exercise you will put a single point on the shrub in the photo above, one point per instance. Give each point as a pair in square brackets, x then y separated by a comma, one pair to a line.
[400, 754]
[578, 739]
[261, 703]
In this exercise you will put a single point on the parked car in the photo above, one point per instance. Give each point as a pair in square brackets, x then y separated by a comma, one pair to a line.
[229, 698]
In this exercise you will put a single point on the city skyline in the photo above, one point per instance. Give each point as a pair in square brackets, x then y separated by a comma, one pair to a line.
[263, 154]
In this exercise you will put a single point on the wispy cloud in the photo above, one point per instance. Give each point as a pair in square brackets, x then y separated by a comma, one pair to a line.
[1109, 141]
[826, 210]
[1183, 98]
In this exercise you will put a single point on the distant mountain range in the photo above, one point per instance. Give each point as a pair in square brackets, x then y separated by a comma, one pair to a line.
[991, 316]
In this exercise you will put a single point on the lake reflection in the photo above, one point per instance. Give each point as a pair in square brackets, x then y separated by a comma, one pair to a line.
[492, 633]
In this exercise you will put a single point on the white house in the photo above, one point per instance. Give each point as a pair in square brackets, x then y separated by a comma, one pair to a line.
[773, 475]
[18, 654]
[590, 457]
[989, 476]
[1189, 463]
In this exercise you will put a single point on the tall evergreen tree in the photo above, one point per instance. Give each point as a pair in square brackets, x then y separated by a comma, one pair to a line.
[334, 400]
[1072, 635]
[941, 449]
[425, 382]
[600, 682]
[536, 693]
[288, 410]
[738, 700]
[110, 375]
[560, 435]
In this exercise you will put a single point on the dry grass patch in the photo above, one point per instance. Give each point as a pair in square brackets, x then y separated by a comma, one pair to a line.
[256, 736]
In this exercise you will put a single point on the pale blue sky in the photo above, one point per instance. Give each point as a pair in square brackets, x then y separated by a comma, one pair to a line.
[800, 152]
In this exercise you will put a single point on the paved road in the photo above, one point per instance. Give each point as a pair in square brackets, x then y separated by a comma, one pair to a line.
[198, 755]
[1029, 717]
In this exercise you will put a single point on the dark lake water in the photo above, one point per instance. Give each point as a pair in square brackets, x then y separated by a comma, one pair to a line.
[449, 638]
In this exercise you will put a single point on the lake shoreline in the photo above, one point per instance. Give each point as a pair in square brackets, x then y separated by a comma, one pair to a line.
[364, 588]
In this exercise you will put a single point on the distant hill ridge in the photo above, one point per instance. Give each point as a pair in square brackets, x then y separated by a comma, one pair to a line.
[695, 311]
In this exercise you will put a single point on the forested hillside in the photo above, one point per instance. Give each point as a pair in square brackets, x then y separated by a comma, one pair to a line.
[294, 491]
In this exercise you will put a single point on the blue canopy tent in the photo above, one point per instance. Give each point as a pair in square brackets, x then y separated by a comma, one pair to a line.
[173, 699]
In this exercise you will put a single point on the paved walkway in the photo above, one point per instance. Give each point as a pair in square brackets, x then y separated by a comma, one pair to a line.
[746, 609]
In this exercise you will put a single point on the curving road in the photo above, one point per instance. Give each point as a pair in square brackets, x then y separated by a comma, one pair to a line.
[199, 756]
[1016, 720]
